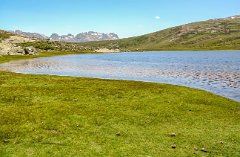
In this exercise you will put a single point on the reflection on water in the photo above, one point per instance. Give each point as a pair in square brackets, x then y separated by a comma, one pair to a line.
[214, 71]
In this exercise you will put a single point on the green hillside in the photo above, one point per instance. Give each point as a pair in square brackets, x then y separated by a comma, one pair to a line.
[211, 34]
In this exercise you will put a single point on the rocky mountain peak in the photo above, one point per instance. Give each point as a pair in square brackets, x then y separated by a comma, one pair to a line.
[81, 37]
[84, 37]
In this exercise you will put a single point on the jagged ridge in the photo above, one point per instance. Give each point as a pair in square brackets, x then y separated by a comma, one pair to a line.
[81, 37]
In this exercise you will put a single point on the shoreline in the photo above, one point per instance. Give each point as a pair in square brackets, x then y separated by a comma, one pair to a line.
[140, 81]
[82, 53]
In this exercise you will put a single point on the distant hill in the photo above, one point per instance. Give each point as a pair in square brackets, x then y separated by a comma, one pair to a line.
[33, 35]
[81, 37]
[213, 34]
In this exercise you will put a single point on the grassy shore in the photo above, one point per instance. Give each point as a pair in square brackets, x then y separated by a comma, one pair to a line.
[7, 58]
[43, 115]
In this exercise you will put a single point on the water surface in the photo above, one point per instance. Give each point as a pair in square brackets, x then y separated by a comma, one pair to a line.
[214, 71]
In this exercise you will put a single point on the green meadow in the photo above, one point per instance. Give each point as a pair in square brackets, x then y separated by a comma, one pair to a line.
[42, 115]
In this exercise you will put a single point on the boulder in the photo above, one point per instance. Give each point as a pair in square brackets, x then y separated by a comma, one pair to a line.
[30, 51]
[15, 50]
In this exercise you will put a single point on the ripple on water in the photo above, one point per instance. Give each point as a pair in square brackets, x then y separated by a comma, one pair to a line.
[217, 72]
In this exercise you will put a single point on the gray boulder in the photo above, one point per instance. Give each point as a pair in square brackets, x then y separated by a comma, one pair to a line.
[30, 51]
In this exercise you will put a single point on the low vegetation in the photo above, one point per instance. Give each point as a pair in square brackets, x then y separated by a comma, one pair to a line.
[44, 115]
[7, 58]
[4, 35]
[46, 45]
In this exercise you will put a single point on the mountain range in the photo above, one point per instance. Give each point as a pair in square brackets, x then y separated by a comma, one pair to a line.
[81, 37]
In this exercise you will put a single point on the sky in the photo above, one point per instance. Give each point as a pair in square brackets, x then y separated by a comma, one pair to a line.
[125, 17]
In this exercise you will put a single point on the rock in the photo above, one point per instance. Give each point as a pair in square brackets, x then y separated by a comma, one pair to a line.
[30, 50]
[204, 150]
[174, 146]
[5, 141]
[173, 134]
[15, 51]
[118, 134]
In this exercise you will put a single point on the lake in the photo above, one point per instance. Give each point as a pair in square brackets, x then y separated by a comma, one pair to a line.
[214, 71]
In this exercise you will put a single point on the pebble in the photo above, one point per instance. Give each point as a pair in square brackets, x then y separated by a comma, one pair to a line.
[174, 146]
[6, 141]
[204, 150]
[173, 134]
[118, 134]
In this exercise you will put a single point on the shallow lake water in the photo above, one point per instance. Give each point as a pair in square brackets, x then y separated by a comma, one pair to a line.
[214, 71]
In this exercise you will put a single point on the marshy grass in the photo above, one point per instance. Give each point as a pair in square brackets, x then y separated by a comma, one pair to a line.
[43, 115]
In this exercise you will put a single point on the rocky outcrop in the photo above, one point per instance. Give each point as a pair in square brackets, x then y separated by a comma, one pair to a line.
[10, 46]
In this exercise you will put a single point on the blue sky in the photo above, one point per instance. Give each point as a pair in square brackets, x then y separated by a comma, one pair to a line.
[124, 17]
